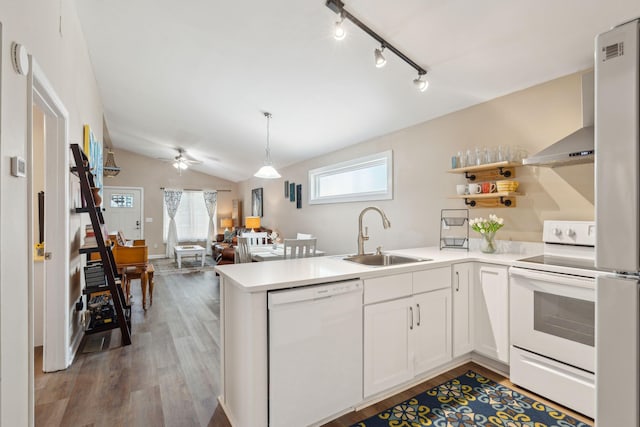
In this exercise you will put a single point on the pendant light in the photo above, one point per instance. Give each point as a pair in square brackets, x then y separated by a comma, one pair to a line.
[267, 171]
[110, 169]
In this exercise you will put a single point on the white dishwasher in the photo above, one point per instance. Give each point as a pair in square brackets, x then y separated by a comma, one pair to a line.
[315, 352]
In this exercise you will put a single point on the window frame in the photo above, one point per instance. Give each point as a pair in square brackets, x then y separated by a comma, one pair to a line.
[373, 160]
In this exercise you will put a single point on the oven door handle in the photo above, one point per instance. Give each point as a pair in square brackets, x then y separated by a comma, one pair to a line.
[556, 278]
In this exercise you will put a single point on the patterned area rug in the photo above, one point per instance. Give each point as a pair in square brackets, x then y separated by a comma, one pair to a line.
[189, 265]
[471, 400]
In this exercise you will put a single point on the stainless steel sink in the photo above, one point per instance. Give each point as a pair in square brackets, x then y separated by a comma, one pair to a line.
[379, 260]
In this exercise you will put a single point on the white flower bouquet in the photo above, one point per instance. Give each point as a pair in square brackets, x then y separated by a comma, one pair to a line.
[486, 226]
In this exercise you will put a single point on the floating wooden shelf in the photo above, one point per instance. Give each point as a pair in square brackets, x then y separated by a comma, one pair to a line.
[487, 195]
[504, 199]
[488, 172]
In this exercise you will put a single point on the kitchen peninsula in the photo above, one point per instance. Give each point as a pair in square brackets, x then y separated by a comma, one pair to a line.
[434, 298]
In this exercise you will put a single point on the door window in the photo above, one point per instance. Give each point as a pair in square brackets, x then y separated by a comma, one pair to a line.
[121, 201]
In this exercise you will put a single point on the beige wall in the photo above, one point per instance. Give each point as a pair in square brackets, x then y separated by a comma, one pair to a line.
[64, 59]
[151, 174]
[532, 119]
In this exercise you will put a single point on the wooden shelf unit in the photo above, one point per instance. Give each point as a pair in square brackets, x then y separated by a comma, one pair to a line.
[122, 310]
[489, 172]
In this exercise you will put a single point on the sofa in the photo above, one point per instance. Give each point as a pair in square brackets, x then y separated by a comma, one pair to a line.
[224, 251]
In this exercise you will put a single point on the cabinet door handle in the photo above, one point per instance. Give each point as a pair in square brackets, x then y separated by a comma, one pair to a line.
[411, 318]
[418, 309]
[458, 281]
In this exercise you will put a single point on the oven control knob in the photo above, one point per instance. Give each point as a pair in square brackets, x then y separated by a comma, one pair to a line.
[571, 232]
[557, 232]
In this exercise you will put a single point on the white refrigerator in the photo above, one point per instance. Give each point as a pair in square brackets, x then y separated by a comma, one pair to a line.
[617, 169]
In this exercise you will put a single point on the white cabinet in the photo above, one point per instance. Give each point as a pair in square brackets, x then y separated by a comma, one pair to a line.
[431, 330]
[386, 345]
[491, 312]
[407, 329]
[462, 281]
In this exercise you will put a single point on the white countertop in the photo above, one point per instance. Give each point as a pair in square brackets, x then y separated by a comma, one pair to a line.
[266, 276]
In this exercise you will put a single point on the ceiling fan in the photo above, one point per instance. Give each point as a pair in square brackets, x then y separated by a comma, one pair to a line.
[182, 161]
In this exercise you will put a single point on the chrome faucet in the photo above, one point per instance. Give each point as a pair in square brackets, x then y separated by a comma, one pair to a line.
[365, 236]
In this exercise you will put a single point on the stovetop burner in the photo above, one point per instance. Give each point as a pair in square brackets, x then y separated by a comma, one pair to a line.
[560, 261]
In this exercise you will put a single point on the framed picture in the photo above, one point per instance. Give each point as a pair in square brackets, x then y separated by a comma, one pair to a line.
[93, 150]
[292, 192]
[256, 202]
[286, 189]
[299, 196]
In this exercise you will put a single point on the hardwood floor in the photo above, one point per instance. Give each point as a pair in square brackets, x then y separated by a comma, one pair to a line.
[170, 374]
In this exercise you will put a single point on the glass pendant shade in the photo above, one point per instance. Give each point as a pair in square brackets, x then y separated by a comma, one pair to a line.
[267, 171]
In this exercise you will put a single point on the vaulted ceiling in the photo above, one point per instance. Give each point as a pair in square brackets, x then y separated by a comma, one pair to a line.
[198, 74]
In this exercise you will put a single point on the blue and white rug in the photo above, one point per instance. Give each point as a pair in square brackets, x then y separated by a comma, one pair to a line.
[468, 401]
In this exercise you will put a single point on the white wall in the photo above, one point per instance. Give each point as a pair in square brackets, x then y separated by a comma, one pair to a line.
[151, 174]
[532, 119]
[64, 59]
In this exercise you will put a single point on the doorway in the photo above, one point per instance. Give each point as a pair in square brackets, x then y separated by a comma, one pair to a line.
[123, 210]
[48, 171]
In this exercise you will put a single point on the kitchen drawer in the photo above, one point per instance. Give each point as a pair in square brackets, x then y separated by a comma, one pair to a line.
[387, 287]
[431, 280]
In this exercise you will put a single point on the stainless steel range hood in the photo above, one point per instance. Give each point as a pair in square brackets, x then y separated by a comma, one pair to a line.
[577, 147]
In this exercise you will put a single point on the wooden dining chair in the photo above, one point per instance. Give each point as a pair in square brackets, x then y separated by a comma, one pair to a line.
[242, 252]
[304, 236]
[299, 248]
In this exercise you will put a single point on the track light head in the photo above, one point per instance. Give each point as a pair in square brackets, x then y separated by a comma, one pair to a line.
[379, 57]
[421, 83]
[339, 32]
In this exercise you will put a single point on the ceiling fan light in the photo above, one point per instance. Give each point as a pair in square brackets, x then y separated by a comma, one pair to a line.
[421, 84]
[379, 57]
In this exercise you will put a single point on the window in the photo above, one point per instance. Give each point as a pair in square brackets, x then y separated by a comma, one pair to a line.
[366, 178]
[192, 219]
[121, 201]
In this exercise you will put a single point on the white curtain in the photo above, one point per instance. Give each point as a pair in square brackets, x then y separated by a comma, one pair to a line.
[210, 200]
[172, 200]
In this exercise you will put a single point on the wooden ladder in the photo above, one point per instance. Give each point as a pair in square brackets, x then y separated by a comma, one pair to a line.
[122, 310]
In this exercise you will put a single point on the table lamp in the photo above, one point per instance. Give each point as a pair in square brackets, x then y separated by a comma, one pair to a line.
[226, 223]
[252, 222]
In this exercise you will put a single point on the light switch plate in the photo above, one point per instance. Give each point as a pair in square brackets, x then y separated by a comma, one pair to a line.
[18, 166]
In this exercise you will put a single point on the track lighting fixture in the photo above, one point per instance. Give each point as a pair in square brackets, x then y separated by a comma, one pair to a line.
[421, 83]
[337, 6]
[380, 59]
[339, 32]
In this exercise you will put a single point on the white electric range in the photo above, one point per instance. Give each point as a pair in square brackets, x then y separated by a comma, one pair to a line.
[552, 303]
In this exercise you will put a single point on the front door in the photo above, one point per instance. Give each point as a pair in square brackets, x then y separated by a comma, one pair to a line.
[122, 210]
